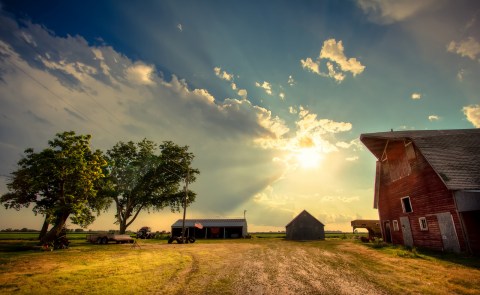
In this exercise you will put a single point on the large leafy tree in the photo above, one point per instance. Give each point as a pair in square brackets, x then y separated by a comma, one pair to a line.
[145, 176]
[61, 182]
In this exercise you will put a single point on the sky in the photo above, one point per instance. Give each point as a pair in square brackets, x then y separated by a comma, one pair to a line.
[270, 96]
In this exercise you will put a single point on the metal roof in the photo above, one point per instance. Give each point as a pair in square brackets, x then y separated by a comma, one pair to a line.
[212, 222]
[453, 154]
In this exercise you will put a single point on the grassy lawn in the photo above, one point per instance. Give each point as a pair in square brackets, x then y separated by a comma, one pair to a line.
[261, 265]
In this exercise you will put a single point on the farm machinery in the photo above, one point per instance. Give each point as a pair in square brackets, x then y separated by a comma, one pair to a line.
[145, 233]
[181, 240]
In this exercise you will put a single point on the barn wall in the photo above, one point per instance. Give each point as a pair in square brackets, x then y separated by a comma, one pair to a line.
[428, 196]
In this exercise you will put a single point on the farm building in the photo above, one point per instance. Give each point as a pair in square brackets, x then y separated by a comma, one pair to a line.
[211, 228]
[305, 227]
[372, 226]
[427, 187]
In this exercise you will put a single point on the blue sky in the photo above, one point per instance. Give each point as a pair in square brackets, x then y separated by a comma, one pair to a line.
[271, 96]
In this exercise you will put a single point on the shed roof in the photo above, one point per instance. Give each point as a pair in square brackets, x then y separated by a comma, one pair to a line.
[304, 213]
[212, 222]
[453, 154]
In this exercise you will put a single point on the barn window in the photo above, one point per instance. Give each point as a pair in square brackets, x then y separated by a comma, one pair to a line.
[423, 223]
[406, 205]
[395, 225]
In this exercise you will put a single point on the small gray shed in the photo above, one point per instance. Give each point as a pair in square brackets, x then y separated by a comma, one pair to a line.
[305, 227]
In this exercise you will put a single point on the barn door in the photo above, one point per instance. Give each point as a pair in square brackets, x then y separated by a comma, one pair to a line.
[407, 232]
[388, 233]
[448, 232]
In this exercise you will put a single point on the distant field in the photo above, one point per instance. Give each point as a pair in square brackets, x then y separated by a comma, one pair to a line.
[34, 235]
[261, 265]
[82, 235]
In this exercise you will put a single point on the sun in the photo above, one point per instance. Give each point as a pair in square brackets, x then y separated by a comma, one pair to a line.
[308, 157]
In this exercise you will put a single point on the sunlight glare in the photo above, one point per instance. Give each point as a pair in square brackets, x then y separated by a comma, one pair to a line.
[308, 157]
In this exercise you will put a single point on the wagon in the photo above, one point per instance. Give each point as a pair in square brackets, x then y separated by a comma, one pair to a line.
[104, 238]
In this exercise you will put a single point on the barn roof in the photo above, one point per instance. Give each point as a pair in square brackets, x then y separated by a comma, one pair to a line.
[303, 213]
[453, 154]
[211, 222]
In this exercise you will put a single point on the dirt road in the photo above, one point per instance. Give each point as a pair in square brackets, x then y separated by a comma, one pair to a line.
[276, 266]
[257, 266]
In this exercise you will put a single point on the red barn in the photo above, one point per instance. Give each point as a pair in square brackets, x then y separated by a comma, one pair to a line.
[427, 187]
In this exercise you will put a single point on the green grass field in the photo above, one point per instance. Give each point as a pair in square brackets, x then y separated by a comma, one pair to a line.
[265, 264]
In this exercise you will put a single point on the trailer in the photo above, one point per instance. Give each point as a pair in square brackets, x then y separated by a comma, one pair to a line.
[104, 238]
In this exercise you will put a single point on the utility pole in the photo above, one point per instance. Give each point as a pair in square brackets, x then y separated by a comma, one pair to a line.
[185, 204]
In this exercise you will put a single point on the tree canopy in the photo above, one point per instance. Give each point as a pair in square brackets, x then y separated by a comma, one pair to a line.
[61, 181]
[144, 176]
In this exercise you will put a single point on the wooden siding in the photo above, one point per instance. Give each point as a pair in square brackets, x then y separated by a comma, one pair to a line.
[305, 227]
[428, 196]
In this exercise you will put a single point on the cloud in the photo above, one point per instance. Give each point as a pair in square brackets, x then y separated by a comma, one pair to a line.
[180, 27]
[291, 81]
[242, 93]
[140, 73]
[334, 51]
[338, 65]
[312, 137]
[467, 48]
[99, 91]
[281, 95]
[266, 86]
[416, 96]
[310, 65]
[388, 12]
[472, 112]
[432, 118]
[223, 74]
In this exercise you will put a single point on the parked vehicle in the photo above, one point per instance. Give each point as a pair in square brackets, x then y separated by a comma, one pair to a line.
[145, 233]
[60, 242]
[179, 240]
[104, 238]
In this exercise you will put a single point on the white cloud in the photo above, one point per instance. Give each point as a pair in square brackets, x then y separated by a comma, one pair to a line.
[266, 86]
[222, 74]
[282, 95]
[338, 65]
[416, 96]
[242, 93]
[292, 110]
[310, 65]
[467, 48]
[432, 118]
[387, 12]
[140, 73]
[334, 51]
[472, 112]
[180, 27]
[291, 81]
[101, 92]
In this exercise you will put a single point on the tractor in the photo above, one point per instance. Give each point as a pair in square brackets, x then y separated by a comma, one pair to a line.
[145, 233]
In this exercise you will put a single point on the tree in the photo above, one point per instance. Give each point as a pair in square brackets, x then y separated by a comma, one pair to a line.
[61, 181]
[140, 179]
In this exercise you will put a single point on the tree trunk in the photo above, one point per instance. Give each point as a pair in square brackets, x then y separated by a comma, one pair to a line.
[56, 229]
[123, 227]
[44, 229]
